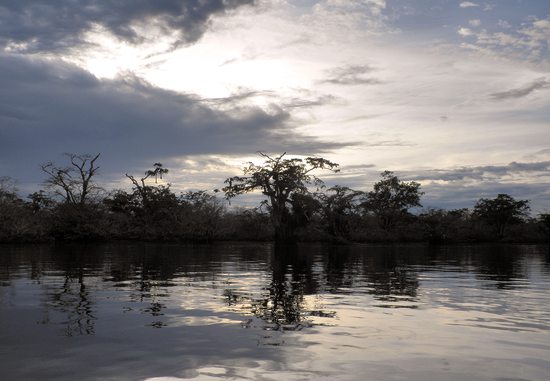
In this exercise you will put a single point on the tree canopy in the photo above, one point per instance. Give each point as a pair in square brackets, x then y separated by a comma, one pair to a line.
[74, 182]
[283, 181]
[501, 211]
[391, 199]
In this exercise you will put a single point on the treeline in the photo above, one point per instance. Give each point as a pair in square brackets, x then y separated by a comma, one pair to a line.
[297, 207]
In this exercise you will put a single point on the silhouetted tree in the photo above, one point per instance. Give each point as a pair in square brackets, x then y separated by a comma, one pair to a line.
[201, 215]
[154, 207]
[17, 222]
[146, 191]
[446, 225]
[73, 183]
[544, 220]
[391, 199]
[501, 211]
[40, 201]
[339, 204]
[281, 180]
[8, 190]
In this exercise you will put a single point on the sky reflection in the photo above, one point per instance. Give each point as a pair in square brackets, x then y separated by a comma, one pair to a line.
[254, 311]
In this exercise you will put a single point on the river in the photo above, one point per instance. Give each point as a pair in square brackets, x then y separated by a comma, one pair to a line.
[256, 311]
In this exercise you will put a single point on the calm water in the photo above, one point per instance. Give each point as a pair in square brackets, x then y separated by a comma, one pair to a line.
[259, 312]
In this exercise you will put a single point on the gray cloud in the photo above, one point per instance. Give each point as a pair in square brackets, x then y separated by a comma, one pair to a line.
[309, 102]
[43, 25]
[543, 153]
[465, 196]
[388, 143]
[351, 75]
[468, 4]
[240, 96]
[540, 83]
[480, 172]
[305, 99]
[50, 107]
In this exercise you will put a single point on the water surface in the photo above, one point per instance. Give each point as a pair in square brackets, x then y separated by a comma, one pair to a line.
[259, 312]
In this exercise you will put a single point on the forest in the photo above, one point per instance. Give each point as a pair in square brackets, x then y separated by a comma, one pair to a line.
[298, 206]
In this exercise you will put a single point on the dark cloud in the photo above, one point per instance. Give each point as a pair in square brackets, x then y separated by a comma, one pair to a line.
[541, 83]
[240, 96]
[351, 75]
[480, 172]
[362, 117]
[388, 143]
[244, 95]
[49, 107]
[541, 153]
[309, 102]
[45, 25]
[456, 196]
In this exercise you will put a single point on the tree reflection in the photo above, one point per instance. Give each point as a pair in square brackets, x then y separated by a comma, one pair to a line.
[390, 276]
[499, 265]
[283, 304]
[72, 299]
[289, 292]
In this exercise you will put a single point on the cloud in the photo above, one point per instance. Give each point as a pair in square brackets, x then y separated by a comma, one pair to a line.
[238, 98]
[351, 75]
[465, 196]
[320, 100]
[538, 84]
[388, 143]
[475, 23]
[465, 32]
[480, 173]
[531, 41]
[349, 16]
[50, 107]
[461, 187]
[543, 153]
[27, 25]
[504, 24]
[244, 96]
[468, 4]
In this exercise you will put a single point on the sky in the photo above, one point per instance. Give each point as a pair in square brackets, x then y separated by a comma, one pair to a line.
[452, 94]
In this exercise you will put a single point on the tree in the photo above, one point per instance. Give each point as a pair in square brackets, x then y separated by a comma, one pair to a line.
[147, 192]
[283, 181]
[442, 225]
[501, 211]
[339, 204]
[202, 213]
[74, 183]
[8, 190]
[544, 221]
[391, 199]
[40, 201]
[154, 208]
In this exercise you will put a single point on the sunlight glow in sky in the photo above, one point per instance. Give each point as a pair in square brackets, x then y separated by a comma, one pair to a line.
[453, 94]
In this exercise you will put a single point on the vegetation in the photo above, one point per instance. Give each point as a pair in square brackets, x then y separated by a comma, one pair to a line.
[391, 200]
[285, 183]
[501, 211]
[297, 207]
[73, 183]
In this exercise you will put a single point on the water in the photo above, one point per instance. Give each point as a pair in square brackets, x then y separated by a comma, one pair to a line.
[258, 312]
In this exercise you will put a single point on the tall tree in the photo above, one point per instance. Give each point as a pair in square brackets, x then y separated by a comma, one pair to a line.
[146, 191]
[8, 190]
[501, 211]
[74, 182]
[391, 199]
[544, 221]
[282, 181]
[339, 203]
